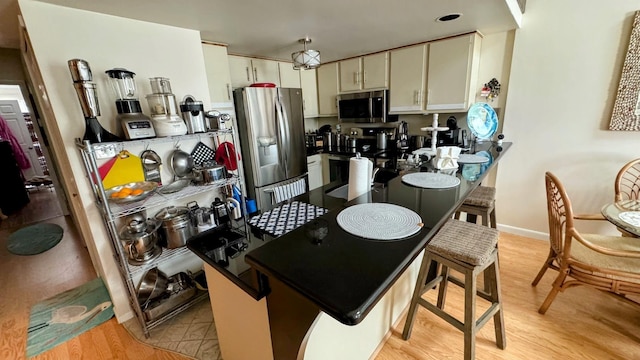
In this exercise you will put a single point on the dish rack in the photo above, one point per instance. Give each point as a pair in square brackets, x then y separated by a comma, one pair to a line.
[114, 212]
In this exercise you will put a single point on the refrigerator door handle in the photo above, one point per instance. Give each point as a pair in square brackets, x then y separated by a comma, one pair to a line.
[280, 131]
[284, 120]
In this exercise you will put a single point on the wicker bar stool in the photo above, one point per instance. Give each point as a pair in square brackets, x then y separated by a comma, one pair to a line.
[469, 249]
[481, 202]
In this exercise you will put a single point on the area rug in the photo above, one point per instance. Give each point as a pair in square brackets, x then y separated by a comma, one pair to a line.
[34, 239]
[67, 315]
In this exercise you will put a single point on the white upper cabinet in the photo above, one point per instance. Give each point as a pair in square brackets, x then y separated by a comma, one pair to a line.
[218, 76]
[350, 74]
[327, 78]
[375, 71]
[407, 79]
[265, 71]
[453, 73]
[309, 92]
[289, 78]
[363, 73]
[246, 71]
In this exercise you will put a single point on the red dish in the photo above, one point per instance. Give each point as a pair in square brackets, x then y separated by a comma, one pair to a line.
[263, 85]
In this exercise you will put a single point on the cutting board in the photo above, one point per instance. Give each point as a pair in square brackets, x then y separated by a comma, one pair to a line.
[124, 168]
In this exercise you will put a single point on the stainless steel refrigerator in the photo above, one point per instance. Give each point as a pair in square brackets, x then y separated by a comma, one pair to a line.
[271, 132]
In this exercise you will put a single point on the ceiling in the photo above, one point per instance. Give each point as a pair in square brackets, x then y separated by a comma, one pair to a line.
[338, 29]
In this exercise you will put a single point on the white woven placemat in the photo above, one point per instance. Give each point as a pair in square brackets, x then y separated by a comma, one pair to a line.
[379, 221]
[431, 180]
[630, 217]
[472, 159]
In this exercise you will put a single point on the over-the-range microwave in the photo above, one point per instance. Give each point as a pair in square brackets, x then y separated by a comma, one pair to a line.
[364, 107]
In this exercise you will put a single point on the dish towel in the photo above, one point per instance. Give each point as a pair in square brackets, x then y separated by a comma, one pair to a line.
[287, 217]
[287, 191]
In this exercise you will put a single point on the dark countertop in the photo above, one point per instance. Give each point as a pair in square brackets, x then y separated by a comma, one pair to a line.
[345, 275]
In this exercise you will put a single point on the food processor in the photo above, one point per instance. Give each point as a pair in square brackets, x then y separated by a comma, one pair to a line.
[135, 124]
[164, 109]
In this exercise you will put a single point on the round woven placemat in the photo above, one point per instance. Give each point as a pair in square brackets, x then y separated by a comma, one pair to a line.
[431, 180]
[379, 221]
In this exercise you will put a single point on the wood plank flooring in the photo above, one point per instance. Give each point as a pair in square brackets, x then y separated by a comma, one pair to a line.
[582, 323]
[26, 280]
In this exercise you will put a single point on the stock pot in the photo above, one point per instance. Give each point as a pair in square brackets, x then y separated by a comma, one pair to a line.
[176, 226]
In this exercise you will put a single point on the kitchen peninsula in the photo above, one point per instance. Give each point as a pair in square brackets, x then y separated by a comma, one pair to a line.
[320, 292]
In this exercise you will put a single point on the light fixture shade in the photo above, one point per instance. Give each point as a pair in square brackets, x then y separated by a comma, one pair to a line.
[306, 59]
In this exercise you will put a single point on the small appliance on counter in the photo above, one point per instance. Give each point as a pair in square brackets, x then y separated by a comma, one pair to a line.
[135, 124]
[164, 109]
[193, 115]
[88, 97]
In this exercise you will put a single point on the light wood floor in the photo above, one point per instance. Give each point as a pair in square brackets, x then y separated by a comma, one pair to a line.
[26, 280]
[582, 323]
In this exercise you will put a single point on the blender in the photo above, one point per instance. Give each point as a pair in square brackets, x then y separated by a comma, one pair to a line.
[135, 124]
[88, 97]
[164, 109]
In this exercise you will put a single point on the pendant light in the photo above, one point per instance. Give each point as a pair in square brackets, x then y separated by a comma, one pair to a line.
[306, 59]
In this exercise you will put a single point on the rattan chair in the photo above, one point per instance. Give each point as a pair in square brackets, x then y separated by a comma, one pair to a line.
[608, 263]
[627, 186]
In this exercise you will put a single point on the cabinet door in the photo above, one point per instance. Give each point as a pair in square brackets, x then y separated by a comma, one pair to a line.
[216, 64]
[309, 92]
[265, 71]
[241, 71]
[327, 89]
[452, 74]
[289, 78]
[350, 75]
[375, 71]
[407, 79]
[315, 171]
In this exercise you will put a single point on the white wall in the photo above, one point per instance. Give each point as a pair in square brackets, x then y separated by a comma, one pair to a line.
[59, 34]
[566, 67]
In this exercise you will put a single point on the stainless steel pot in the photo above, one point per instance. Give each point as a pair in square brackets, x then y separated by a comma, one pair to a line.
[176, 226]
[381, 140]
[213, 173]
[141, 240]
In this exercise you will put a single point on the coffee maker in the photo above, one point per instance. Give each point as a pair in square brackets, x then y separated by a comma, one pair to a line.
[449, 137]
[88, 97]
[135, 124]
[403, 136]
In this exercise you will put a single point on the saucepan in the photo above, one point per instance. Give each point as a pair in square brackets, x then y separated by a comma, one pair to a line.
[209, 174]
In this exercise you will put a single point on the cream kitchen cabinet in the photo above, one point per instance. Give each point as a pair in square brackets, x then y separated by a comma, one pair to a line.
[327, 77]
[309, 92]
[408, 79]
[366, 72]
[314, 165]
[289, 78]
[452, 74]
[246, 71]
[218, 77]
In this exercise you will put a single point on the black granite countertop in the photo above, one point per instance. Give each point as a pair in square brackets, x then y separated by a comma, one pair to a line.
[346, 275]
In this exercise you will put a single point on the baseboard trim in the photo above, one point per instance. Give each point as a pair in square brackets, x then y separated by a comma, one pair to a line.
[524, 232]
[386, 337]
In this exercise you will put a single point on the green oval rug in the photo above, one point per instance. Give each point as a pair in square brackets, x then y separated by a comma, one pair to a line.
[34, 239]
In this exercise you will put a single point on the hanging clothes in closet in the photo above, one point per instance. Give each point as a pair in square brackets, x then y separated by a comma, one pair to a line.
[14, 194]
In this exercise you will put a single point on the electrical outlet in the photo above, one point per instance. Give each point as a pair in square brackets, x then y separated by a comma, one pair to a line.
[106, 151]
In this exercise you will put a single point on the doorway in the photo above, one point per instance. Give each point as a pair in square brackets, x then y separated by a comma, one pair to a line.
[45, 201]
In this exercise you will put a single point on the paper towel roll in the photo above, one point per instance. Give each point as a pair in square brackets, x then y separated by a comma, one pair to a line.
[360, 170]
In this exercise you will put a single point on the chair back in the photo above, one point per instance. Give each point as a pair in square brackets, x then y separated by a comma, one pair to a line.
[560, 213]
[627, 185]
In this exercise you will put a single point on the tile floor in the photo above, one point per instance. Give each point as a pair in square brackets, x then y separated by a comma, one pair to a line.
[191, 333]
